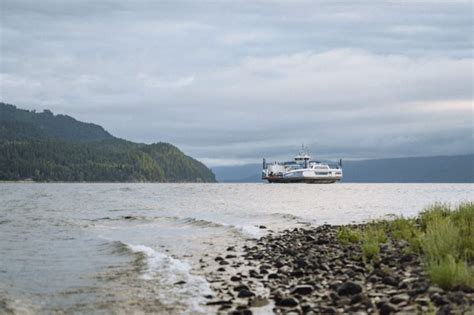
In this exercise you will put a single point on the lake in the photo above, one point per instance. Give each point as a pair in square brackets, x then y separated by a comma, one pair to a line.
[121, 248]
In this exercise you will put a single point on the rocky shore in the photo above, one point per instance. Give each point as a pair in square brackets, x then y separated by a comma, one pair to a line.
[308, 271]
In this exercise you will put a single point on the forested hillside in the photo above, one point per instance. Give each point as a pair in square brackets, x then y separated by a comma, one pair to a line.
[47, 147]
[18, 123]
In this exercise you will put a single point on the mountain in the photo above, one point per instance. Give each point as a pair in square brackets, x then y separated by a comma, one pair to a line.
[435, 169]
[18, 123]
[47, 147]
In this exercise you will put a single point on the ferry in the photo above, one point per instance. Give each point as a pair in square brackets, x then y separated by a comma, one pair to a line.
[302, 170]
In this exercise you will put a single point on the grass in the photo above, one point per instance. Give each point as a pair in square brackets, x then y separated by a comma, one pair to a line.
[372, 236]
[442, 236]
[346, 235]
[450, 273]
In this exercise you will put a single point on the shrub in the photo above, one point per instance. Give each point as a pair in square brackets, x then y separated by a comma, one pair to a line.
[436, 211]
[463, 218]
[448, 245]
[370, 249]
[449, 273]
[441, 238]
[347, 235]
[372, 236]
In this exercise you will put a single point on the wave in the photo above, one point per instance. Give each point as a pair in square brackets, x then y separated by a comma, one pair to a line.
[252, 231]
[199, 222]
[287, 216]
[178, 284]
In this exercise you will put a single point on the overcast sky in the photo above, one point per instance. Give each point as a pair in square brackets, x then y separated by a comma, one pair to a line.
[231, 82]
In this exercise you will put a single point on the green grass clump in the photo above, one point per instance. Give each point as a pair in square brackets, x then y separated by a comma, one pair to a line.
[447, 244]
[372, 236]
[347, 235]
[434, 212]
[370, 249]
[463, 218]
[450, 273]
[441, 238]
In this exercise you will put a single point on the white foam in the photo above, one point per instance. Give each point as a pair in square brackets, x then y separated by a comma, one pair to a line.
[250, 230]
[168, 271]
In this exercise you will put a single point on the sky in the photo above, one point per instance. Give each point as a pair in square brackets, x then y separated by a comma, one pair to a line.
[230, 82]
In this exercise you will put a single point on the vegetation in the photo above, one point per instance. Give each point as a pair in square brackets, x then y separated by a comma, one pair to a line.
[443, 237]
[347, 235]
[372, 236]
[47, 147]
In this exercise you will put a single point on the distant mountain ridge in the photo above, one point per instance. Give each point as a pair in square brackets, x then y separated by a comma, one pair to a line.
[47, 147]
[434, 169]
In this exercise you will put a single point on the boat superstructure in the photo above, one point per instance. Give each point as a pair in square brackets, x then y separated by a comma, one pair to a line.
[302, 170]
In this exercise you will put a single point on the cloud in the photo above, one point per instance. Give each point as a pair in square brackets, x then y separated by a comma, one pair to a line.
[163, 83]
[233, 82]
[241, 38]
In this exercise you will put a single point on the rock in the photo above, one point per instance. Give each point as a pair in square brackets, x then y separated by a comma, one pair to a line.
[279, 264]
[322, 241]
[457, 297]
[273, 276]
[287, 302]
[433, 289]
[259, 302]
[357, 298]
[349, 288]
[306, 308]
[221, 269]
[421, 287]
[179, 282]
[223, 262]
[262, 227]
[422, 301]
[325, 267]
[409, 309]
[387, 308]
[328, 310]
[301, 263]
[438, 299]
[222, 302]
[241, 287]
[245, 293]
[444, 310]
[389, 280]
[407, 258]
[235, 278]
[297, 273]
[244, 311]
[334, 296]
[230, 256]
[218, 258]
[302, 289]
[399, 298]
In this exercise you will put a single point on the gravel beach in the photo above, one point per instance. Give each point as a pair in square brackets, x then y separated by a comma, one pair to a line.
[308, 271]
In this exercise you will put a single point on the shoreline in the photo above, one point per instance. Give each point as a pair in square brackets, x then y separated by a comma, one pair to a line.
[309, 271]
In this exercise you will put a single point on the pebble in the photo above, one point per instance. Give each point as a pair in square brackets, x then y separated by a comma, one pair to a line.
[287, 302]
[348, 288]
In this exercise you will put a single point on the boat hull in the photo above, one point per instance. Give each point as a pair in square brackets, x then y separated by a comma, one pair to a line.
[306, 180]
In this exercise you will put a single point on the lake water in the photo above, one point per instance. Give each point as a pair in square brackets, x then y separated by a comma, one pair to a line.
[122, 248]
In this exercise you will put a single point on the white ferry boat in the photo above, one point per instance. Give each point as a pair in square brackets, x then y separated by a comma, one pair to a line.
[302, 170]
